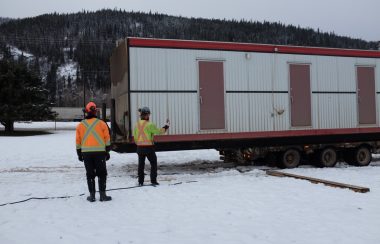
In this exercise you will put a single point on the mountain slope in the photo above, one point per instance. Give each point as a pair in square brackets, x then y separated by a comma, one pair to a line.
[86, 40]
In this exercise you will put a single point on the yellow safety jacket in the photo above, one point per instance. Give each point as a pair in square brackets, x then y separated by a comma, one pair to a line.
[92, 135]
[144, 132]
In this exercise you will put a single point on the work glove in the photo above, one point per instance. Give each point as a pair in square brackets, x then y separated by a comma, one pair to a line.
[80, 155]
[108, 156]
[167, 124]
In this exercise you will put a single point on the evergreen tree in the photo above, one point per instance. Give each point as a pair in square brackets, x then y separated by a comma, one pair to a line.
[51, 83]
[22, 96]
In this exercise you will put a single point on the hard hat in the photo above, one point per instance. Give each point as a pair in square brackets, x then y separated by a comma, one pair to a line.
[90, 107]
[144, 110]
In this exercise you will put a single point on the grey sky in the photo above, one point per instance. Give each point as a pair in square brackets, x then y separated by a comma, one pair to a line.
[354, 18]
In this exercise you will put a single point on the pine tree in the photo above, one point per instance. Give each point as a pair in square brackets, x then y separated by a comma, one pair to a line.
[22, 96]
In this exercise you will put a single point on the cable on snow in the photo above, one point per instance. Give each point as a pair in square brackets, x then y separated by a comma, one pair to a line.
[65, 197]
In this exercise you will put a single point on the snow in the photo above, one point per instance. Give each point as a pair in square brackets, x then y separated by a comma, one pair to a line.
[210, 206]
[68, 69]
[17, 52]
[50, 125]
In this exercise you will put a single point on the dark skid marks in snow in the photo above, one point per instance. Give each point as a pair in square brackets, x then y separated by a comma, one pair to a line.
[210, 167]
[62, 169]
[193, 168]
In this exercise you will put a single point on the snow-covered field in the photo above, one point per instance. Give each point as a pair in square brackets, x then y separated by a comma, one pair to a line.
[211, 206]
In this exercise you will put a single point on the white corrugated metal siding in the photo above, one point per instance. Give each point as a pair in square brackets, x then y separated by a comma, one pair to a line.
[182, 110]
[260, 72]
[148, 69]
[348, 111]
[281, 112]
[185, 71]
[235, 70]
[256, 86]
[238, 117]
[346, 69]
[261, 108]
[326, 109]
[327, 75]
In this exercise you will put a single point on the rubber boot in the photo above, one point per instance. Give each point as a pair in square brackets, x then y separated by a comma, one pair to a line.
[91, 189]
[104, 197]
[102, 190]
[154, 182]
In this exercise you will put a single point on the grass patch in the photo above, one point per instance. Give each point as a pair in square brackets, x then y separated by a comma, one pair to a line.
[25, 133]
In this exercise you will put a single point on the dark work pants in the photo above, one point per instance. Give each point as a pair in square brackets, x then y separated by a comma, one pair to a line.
[147, 152]
[95, 163]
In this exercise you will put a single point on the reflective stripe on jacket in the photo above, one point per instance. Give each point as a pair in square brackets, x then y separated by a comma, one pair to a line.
[144, 132]
[92, 135]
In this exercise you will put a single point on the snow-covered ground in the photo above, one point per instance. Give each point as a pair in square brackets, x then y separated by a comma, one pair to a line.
[219, 206]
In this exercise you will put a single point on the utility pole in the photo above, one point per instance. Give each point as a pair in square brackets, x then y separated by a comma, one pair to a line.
[84, 98]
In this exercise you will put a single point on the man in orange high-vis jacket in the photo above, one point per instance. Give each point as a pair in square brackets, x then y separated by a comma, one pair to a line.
[143, 135]
[93, 146]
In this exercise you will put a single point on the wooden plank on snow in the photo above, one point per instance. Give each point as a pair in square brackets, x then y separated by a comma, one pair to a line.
[317, 181]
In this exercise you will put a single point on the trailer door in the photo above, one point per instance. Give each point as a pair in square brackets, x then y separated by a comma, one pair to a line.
[366, 95]
[211, 95]
[300, 94]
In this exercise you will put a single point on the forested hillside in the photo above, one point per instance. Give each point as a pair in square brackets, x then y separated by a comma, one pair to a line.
[69, 50]
[3, 20]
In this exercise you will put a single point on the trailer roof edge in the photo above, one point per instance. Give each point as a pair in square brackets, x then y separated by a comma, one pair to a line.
[250, 47]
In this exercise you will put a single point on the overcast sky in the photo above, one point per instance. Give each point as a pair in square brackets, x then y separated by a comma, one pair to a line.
[354, 18]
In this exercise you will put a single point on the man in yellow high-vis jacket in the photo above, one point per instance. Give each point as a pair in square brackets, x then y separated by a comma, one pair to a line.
[93, 146]
[143, 135]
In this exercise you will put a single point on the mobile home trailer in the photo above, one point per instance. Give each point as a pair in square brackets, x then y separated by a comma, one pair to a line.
[249, 100]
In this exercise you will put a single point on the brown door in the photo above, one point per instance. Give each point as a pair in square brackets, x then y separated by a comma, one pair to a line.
[211, 95]
[366, 95]
[300, 98]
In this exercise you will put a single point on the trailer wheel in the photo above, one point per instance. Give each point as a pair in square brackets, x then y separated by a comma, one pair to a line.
[327, 157]
[290, 159]
[362, 156]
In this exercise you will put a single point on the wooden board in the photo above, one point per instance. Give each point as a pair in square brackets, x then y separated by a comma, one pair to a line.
[316, 181]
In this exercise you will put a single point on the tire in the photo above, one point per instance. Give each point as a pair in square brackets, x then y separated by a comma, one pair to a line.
[362, 156]
[290, 159]
[327, 157]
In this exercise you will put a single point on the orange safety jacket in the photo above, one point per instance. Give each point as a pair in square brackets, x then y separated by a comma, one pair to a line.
[92, 135]
[144, 132]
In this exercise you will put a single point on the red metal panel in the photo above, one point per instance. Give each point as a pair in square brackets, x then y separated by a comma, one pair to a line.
[249, 47]
[300, 97]
[366, 95]
[265, 134]
[211, 91]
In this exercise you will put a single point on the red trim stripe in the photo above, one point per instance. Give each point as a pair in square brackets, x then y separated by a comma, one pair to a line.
[248, 47]
[264, 134]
